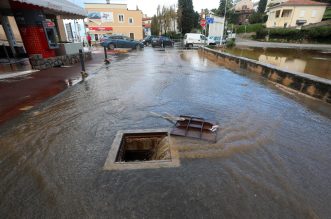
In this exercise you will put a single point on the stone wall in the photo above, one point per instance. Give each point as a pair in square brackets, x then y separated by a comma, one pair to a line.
[39, 63]
[310, 85]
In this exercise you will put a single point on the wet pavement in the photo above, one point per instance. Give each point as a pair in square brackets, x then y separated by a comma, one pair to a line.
[314, 62]
[25, 89]
[271, 159]
[252, 43]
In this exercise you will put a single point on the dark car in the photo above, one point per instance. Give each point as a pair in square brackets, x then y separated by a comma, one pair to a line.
[148, 40]
[162, 41]
[119, 41]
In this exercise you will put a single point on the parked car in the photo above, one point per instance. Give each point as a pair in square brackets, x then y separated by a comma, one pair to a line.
[119, 41]
[162, 41]
[194, 39]
[214, 40]
[148, 40]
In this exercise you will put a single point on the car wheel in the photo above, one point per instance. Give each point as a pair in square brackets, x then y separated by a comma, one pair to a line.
[111, 47]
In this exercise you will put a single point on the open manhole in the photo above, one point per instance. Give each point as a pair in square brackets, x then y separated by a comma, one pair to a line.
[144, 147]
[139, 149]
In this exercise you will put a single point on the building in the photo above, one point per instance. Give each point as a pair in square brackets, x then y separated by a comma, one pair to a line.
[34, 29]
[295, 13]
[271, 3]
[244, 9]
[244, 5]
[111, 18]
[147, 24]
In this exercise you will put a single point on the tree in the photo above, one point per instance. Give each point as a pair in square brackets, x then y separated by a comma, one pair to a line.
[256, 18]
[173, 16]
[196, 23]
[224, 7]
[155, 26]
[185, 14]
[262, 5]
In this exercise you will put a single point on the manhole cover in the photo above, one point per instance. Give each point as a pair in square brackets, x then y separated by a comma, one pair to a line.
[139, 149]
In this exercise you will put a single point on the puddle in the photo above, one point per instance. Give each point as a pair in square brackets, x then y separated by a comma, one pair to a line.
[312, 62]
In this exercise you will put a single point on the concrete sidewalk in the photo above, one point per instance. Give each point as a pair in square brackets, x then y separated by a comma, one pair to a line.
[252, 43]
[22, 92]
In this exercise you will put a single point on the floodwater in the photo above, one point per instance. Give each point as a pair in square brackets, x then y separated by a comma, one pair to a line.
[271, 159]
[314, 62]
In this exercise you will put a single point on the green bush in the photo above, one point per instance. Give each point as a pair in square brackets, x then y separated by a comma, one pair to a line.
[318, 34]
[249, 28]
[286, 34]
[230, 43]
[261, 34]
[256, 18]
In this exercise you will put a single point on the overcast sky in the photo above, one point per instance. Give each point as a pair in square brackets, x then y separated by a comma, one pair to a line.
[149, 6]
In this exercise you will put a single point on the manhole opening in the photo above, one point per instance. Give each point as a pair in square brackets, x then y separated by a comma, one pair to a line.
[137, 147]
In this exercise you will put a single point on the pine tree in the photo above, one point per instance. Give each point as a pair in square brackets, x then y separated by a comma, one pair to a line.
[185, 15]
[221, 9]
[262, 5]
[155, 26]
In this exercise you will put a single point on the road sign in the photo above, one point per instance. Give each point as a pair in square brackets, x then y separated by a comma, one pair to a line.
[203, 22]
[210, 20]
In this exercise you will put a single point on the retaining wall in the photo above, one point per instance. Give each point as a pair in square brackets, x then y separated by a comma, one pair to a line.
[39, 63]
[310, 85]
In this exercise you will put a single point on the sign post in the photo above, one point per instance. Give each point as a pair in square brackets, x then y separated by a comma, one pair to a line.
[203, 23]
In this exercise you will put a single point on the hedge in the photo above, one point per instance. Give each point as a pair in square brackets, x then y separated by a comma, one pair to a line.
[316, 34]
[249, 28]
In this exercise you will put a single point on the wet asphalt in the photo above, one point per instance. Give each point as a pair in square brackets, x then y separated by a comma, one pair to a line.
[271, 158]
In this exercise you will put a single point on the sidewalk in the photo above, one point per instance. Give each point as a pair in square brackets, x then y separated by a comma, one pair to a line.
[21, 93]
[252, 43]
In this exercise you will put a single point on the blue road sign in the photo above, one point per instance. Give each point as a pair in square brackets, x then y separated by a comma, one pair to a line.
[210, 20]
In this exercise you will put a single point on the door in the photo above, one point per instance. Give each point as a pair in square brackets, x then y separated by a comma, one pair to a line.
[132, 36]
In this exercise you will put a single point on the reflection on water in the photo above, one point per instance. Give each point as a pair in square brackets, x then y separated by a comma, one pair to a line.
[308, 61]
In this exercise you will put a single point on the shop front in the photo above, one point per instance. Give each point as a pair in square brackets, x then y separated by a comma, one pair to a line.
[39, 23]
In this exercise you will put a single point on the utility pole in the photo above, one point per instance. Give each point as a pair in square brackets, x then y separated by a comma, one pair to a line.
[224, 21]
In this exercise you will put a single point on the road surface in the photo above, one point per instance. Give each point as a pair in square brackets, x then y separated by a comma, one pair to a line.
[271, 158]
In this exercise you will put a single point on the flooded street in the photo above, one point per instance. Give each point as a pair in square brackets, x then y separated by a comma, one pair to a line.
[271, 158]
[314, 62]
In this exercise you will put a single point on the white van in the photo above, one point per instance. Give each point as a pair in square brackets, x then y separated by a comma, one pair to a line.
[194, 39]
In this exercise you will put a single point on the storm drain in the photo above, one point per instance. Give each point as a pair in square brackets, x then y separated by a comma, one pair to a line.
[144, 147]
[139, 149]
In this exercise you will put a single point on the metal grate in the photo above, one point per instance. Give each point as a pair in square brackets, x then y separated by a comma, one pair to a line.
[194, 127]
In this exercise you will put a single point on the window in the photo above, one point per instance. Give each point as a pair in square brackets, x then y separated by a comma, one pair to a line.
[302, 13]
[313, 13]
[286, 13]
[130, 20]
[132, 36]
[244, 7]
[277, 13]
[121, 18]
